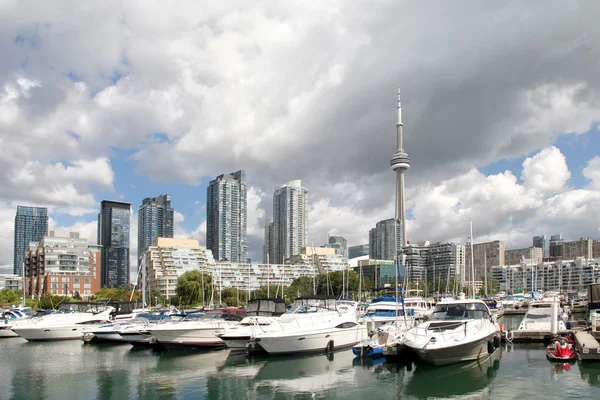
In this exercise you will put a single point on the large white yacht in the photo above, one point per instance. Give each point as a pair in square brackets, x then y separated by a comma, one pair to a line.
[539, 316]
[458, 330]
[197, 333]
[9, 317]
[60, 326]
[317, 324]
[259, 313]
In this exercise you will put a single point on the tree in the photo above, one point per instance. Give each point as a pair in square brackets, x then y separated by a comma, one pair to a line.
[332, 284]
[9, 297]
[121, 293]
[194, 287]
[50, 301]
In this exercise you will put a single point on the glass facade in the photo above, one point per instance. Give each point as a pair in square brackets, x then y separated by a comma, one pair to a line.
[290, 221]
[155, 219]
[226, 217]
[382, 238]
[31, 224]
[113, 234]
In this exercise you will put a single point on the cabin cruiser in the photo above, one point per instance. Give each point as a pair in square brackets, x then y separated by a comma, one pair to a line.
[382, 311]
[9, 317]
[197, 332]
[259, 313]
[417, 306]
[460, 330]
[317, 324]
[60, 326]
[539, 317]
[514, 302]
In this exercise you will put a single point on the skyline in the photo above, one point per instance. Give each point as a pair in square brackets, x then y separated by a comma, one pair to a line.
[501, 118]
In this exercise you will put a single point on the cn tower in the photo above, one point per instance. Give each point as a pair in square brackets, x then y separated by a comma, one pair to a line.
[400, 163]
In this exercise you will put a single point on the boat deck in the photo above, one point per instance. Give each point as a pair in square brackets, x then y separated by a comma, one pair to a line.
[587, 346]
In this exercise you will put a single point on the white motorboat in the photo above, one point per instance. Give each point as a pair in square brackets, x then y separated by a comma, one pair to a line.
[197, 333]
[382, 311]
[460, 330]
[417, 306]
[315, 325]
[539, 316]
[259, 313]
[60, 326]
[137, 335]
[9, 317]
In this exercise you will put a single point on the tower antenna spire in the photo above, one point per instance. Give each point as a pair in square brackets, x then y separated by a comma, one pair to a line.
[399, 164]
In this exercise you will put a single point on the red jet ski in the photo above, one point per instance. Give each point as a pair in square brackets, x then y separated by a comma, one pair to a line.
[561, 349]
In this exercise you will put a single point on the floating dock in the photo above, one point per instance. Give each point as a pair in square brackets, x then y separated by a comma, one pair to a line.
[587, 346]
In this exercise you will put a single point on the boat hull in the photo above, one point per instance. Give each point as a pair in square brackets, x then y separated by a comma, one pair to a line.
[187, 338]
[236, 342]
[67, 332]
[469, 351]
[308, 342]
[368, 351]
[107, 337]
[5, 332]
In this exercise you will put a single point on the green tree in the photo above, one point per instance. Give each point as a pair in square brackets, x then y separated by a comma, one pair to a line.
[50, 301]
[232, 297]
[9, 298]
[194, 287]
[121, 293]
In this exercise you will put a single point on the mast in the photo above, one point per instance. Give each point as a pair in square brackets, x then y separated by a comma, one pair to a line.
[268, 278]
[472, 264]
[23, 283]
[485, 272]
[143, 286]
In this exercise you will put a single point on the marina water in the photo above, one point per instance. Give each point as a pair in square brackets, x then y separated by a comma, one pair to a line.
[73, 370]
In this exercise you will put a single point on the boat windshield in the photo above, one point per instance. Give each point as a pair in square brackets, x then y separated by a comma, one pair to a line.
[459, 311]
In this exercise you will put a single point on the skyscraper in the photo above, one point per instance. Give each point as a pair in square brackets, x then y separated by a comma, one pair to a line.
[540, 241]
[269, 244]
[226, 217]
[31, 224]
[358, 251]
[155, 219]
[340, 244]
[400, 163]
[382, 238]
[113, 236]
[290, 220]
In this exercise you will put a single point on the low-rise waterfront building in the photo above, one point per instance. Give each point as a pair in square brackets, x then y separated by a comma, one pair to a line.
[62, 264]
[11, 282]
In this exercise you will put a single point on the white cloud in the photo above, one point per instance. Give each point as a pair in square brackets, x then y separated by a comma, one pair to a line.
[546, 172]
[592, 173]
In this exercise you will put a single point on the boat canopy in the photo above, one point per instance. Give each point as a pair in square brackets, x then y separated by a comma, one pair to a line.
[267, 306]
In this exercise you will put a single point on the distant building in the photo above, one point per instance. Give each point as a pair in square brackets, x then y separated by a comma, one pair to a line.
[570, 250]
[11, 282]
[533, 255]
[113, 235]
[290, 221]
[31, 224]
[227, 218]
[555, 248]
[381, 273]
[167, 259]
[440, 261]
[324, 258]
[384, 243]
[155, 219]
[484, 254]
[340, 245]
[540, 241]
[269, 242]
[62, 264]
[560, 275]
[358, 251]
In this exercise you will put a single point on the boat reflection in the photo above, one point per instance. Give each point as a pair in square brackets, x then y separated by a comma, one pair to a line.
[590, 372]
[453, 380]
[310, 374]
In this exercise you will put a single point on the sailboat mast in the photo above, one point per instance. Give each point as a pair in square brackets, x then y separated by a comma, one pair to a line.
[23, 283]
[485, 272]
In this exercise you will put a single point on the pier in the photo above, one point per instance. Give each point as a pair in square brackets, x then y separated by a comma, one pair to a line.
[587, 346]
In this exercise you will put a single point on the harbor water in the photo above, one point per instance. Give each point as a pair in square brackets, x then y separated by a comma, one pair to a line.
[73, 370]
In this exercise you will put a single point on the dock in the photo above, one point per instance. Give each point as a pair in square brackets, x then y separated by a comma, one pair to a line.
[587, 346]
[520, 336]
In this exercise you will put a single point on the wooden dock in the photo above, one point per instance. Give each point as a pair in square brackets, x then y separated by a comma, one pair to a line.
[520, 336]
[587, 346]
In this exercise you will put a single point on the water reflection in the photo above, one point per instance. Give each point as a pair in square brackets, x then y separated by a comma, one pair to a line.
[590, 373]
[308, 374]
[453, 380]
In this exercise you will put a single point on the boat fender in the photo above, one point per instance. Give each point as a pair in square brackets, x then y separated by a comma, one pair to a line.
[509, 336]
[501, 327]
[490, 346]
[330, 346]
[496, 341]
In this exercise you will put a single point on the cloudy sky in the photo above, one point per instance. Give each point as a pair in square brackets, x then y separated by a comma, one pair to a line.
[131, 99]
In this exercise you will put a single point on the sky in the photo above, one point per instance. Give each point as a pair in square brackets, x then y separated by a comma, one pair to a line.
[122, 100]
